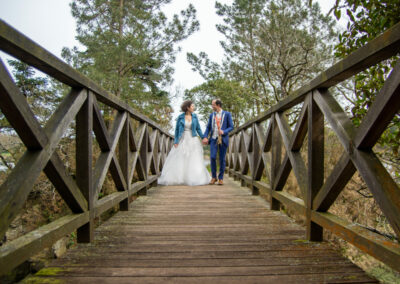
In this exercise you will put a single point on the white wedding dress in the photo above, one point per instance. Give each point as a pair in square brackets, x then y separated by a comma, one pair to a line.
[185, 164]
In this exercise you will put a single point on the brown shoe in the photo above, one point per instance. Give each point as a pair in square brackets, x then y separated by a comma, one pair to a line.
[220, 182]
[213, 181]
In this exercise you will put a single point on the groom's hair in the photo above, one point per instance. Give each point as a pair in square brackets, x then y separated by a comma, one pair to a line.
[218, 102]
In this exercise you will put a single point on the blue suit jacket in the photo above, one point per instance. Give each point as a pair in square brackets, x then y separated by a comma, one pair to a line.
[180, 127]
[226, 127]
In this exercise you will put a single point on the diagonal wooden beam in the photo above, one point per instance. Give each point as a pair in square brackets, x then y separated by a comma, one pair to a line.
[283, 174]
[268, 139]
[132, 139]
[117, 174]
[18, 113]
[257, 167]
[245, 165]
[385, 106]
[299, 168]
[378, 180]
[14, 191]
[65, 185]
[334, 184]
[300, 130]
[337, 118]
[99, 128]
[20, 116]
[105, 158]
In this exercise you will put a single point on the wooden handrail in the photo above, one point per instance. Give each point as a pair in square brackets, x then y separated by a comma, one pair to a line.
[254, 150]
[141, 151]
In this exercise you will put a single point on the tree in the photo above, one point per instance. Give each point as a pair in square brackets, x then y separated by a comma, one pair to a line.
[272, 47]
[368, 19]
[294, 45]
[129, 49]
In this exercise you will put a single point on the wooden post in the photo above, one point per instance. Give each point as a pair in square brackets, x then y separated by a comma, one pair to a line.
[276, 153]
[84, 124]
[124, 157]
[315, 165]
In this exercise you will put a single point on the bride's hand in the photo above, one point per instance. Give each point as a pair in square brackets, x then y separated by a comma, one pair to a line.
[175, 145]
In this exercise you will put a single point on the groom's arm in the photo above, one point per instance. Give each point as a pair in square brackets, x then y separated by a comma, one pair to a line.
[208, 128]
[229, 123]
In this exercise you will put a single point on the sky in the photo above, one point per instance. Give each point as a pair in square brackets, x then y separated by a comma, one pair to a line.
[50, 24]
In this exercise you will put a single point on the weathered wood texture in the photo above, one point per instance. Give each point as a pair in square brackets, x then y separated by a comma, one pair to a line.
[204, 234]
[141, 151]
[274, 152]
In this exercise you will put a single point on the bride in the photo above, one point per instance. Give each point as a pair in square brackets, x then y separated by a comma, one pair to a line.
[185, 164]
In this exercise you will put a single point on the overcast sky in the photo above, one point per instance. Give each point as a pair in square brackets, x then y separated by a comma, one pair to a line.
[50, 24]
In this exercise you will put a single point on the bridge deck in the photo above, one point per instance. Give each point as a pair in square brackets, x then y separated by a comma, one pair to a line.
[207, 234]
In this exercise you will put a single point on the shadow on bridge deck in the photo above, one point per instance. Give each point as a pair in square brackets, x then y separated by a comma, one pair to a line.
[204, 234]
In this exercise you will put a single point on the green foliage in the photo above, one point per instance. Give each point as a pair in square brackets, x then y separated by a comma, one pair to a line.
[270, 51]
[130, 47]
[368, 19]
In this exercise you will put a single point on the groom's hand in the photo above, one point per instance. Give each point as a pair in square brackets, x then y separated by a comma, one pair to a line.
[205, 141]
[221, 132]
[175, 145]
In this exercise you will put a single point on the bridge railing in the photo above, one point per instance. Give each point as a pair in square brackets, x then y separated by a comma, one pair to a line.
[141, 145]
[256, 151]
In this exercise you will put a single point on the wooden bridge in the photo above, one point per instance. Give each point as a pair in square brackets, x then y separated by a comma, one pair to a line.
[218, 234]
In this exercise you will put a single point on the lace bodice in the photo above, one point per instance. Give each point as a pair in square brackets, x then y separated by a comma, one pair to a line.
[188, 126]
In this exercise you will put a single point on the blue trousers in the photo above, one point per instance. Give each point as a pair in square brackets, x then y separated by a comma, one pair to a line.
[214, 148]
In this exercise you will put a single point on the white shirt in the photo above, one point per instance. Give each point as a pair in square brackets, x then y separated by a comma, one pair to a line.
[215, 132]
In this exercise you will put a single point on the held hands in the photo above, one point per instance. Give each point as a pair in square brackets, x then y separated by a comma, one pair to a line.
[176, 145]
[221, 132]
[205, 141]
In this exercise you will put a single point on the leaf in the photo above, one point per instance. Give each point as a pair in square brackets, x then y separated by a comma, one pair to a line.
[337, 14]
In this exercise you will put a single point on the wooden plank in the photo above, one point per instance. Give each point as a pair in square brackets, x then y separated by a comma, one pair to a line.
[138, 186]
[369, 242]
[385, 106]
[178, 233]
[14, 191]
[109, 201]
[337, 180]
[21, 47]
[290, 201]
[17, 251]
[307, 278]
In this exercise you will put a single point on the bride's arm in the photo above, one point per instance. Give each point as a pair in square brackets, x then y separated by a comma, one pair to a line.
[176, 140]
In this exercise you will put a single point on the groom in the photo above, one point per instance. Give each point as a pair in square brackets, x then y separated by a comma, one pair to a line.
[218, 127]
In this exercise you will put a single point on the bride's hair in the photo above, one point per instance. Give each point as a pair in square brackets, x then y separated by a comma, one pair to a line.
[185, 105]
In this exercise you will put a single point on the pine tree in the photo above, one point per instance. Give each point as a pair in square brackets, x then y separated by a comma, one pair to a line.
[130, 47]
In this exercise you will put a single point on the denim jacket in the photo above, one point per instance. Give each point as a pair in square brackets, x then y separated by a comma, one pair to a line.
[180, 127]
